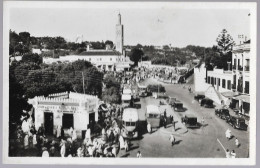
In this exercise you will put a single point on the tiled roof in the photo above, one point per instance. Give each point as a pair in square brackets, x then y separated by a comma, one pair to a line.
[97, 53]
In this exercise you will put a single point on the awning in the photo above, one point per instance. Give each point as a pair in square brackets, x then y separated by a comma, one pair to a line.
[229, 94]
[126, 97]
[244, 98]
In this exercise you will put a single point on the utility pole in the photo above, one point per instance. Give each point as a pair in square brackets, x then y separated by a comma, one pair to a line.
[83, 82]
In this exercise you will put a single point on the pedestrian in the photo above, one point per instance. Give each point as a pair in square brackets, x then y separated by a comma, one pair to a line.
[58, 132]
[164, 114]
[173, 125]
[139, 155]
[237, 143]
[88, 133]
[228, 134]
[63, 148]
[126, 146]
[149, 128]
[165, 122]
[45, 152]
[172, 139]
[228, 154]
[233, 154]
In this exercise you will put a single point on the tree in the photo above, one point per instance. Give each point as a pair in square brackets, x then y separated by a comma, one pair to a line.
[32, 58]
[225, 42]
[135, 55]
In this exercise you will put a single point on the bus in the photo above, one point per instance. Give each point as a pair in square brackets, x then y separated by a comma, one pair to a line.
[142, 90]
[130, 123]
[126, 99]
[153, 115]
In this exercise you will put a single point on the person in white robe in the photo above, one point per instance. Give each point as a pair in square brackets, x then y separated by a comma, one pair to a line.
[25, 126]
[34, 141]
[26, 142]
[121, 142]
[45, 153]
[74, 135]
[62, 149]
[88, 134]
[58, 132]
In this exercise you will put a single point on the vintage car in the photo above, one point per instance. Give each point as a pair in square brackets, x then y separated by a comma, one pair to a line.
[171, 100]
[178, 106]
[208, 103]
[190, 121]
[222, 113]
[237, 122]
[199, 96]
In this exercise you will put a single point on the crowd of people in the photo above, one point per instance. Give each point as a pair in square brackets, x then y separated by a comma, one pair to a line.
[67, 142]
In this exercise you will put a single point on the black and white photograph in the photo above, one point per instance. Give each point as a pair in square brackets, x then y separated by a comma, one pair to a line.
[129, 83]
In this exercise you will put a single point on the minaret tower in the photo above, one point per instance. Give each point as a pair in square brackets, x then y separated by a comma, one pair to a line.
[119, 35]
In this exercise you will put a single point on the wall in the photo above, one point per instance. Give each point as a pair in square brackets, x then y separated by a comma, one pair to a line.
[199, 79]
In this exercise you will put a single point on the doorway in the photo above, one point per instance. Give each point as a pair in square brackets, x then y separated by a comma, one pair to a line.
[48, 123]
[67, 121]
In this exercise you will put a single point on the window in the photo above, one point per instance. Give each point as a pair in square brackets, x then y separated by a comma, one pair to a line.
[215, 80]
[89, 59]
[110, 59]
[212, 81]
[100, 59]
[218, 81]
[247, 87]
[208, 80]
[223, 83]
[229, 84]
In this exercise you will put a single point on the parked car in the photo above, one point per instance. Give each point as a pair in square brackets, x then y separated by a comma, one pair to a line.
[237, 122]
[208, 103]
[222, 113]
[178, 106]
[199, 96]
[190, 121]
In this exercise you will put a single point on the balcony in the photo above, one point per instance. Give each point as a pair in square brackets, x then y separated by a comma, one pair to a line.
[240, 68]
[247, 68]
[234, 67]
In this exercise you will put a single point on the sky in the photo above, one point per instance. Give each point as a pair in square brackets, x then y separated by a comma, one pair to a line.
[151, 26]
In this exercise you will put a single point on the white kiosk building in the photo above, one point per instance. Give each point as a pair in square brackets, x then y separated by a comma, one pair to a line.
[65, 109]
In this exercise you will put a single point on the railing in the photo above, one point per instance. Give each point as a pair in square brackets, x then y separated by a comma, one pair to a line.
[240, 68]
[247, 68]
[234, 66]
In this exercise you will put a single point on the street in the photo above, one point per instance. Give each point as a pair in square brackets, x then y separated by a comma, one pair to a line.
[188, 144]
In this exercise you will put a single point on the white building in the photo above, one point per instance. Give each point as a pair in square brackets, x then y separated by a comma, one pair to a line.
[66, 110]
[228, 87]
[107, 60]
[241, 77]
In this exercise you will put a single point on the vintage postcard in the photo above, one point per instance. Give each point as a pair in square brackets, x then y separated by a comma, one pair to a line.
[129, 83]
